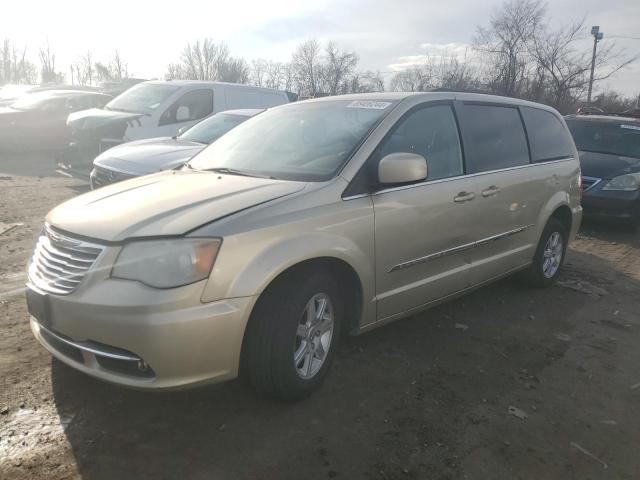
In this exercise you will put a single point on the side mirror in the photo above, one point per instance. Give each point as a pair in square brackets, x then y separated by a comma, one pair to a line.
[402, 168]
[183, 114]
[181, 130]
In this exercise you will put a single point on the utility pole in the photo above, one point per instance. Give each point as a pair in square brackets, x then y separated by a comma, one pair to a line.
[597, 36]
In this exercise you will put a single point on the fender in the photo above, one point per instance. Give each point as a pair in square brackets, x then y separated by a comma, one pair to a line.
[558, 199]
[276, 257]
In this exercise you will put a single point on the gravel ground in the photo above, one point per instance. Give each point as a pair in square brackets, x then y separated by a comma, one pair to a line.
[505, 383]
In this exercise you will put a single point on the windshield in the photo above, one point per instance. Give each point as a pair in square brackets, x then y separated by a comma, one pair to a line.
[212, 128]
[141, 98]
[621, 139]
[303, 141]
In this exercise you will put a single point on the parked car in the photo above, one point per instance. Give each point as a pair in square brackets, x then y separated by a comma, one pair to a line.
[10, 93]
[154, 109]
[142, 157]
[38, 120]
[308, 221]
[609, 149]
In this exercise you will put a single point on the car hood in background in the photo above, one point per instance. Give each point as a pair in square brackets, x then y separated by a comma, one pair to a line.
[8, 114]
[167, 203]
[96, 118]
[604, 165]
[148, 156]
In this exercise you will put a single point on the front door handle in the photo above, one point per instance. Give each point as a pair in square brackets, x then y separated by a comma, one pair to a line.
[464, 197]
[491, 191]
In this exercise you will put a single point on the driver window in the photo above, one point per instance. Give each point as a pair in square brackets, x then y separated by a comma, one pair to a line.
[431, 132]
[193, 105]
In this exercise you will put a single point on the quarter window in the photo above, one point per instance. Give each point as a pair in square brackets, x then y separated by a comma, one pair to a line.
[431, 132]
[193, 105]
[548, 138]
[494, 137]
[77, 103]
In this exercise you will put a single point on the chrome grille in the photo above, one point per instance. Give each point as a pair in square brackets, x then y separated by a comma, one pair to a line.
[59, 263]
[103, 176]
[589, 182]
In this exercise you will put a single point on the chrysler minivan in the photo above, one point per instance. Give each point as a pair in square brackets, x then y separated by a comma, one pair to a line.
[309, 221]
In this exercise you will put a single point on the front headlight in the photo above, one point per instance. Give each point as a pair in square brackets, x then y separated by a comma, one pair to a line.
[628, 182]
[167, 263]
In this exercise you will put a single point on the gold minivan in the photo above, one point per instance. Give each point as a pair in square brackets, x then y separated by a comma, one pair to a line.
[312, 220]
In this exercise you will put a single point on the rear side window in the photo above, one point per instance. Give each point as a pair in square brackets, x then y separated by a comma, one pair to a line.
[548, 138]
[494, 137]
[431, 132]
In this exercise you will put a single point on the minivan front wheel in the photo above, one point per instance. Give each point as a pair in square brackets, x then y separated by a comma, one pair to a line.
[549, 256]
[292, 335]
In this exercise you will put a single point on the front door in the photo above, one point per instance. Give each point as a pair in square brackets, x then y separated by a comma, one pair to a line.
[424, 232]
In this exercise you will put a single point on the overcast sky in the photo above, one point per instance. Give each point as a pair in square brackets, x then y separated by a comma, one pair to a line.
[387, 35]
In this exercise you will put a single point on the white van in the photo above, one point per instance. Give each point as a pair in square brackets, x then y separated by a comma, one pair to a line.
[154, 109]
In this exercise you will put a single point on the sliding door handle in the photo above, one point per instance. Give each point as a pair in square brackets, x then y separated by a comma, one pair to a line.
[464, 197]
[491, 191]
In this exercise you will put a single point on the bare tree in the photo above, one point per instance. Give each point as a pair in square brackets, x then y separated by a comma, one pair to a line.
[366, 82]
[234, 70]
[612, 101]
[206, 60]
[414, 79]
[566, 66]
[14, 66]
[454, 73]
[307, 65]
[48, 73]
[338, 69]
[103, 72]
[258, 72]
[118, 67]
[504, 45]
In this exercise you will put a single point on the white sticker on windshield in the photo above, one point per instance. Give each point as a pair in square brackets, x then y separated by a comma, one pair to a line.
[369, 104]
[630, 127]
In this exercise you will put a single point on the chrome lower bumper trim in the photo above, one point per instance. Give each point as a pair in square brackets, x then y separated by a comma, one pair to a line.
[94, 348]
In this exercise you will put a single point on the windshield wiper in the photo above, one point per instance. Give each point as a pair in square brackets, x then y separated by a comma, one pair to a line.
[232, 171]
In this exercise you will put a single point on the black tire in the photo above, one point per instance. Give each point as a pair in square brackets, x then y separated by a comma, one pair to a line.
[535, 274]
[271, 338]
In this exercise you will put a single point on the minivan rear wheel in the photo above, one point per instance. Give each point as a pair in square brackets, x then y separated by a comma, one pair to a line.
[292, 335]
[549, 256]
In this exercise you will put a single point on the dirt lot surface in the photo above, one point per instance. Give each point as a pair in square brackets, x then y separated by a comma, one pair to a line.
[505, 383]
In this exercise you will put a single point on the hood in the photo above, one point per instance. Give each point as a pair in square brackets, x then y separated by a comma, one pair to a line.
[167, 203]
[605, 165]
[96, 118]
[148, 156]
[8, 113]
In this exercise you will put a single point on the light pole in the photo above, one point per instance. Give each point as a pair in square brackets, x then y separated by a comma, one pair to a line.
[597, 36]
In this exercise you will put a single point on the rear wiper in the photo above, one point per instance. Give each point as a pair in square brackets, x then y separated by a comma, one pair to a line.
[232, 171]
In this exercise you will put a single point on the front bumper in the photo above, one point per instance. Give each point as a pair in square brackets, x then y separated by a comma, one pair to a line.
[612, 204]
[129, 334]
[76, 160]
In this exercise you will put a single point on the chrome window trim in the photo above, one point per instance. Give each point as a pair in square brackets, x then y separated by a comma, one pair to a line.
[458, 177]
[353, 197]
[459, 248]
